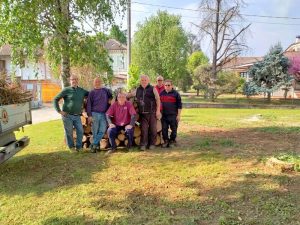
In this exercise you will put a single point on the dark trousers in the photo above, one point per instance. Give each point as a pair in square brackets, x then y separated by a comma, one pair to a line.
[114, 132]
[148, 129]
[169, 121]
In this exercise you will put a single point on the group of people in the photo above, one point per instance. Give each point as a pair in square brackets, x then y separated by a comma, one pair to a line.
[154, 103]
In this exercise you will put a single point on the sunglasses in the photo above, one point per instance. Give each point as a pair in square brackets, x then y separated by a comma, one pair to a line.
[168, 85]
[160, 80]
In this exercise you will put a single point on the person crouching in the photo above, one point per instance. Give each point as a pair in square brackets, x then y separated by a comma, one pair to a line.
[121, 115]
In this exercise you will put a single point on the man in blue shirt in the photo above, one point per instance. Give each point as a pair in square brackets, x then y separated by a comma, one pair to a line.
[97, 105]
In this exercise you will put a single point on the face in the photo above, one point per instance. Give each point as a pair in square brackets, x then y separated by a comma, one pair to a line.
[144, 81]
[168, 86]
[97, 83]
[160, 81]
[121, 99]
[74, 81]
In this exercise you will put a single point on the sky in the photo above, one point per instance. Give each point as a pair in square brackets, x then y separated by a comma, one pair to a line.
[262, 33]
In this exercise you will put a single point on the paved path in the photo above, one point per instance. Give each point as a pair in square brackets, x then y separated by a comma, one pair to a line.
[44, 114]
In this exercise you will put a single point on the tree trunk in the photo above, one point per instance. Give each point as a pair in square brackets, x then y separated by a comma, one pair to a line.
[285, 93]
[65, 44]
[198, 91]
[269, 97]
[65, 65]
[215, 49]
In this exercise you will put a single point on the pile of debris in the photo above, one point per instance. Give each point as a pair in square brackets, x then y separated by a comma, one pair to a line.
[12, 93]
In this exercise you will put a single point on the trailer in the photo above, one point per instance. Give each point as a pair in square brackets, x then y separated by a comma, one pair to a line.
[12, 118]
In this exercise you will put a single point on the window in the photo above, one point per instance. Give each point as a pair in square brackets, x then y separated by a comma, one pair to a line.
[244, 75]
[29, 87]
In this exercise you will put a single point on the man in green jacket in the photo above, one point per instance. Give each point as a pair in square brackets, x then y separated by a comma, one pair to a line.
[73, 97]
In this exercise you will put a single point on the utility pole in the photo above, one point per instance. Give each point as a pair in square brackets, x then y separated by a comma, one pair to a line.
[128, 38]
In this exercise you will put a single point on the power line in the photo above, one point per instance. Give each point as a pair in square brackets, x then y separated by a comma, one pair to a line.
[164, 6]
[201, 9]
[249, 21]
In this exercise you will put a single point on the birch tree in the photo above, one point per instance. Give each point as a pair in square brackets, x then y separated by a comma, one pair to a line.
[68, 32]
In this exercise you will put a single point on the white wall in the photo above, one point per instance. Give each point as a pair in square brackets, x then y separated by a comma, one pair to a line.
[119, 62]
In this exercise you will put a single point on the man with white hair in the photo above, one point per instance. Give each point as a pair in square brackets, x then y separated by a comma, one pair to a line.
[73, 97]
[120, 116]
[148, 102]
[159, 84]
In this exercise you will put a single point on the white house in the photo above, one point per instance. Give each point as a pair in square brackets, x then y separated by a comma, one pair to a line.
[38, 79]
[118, 53]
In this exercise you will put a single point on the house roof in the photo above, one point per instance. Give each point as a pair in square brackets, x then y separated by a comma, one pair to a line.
[5, 50]
[292, 54]
[113, 44]
[241, 61]
[293, 47]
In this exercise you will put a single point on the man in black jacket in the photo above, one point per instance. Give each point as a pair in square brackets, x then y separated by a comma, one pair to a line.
[149, 111]
[171, 111]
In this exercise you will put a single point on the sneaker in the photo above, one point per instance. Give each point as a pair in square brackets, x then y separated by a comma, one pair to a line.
[173, 143]
[165, 144]
[143, 148]
[152, 147]
[78, 149]
[72, 149]
[93, 148]
[110, 151]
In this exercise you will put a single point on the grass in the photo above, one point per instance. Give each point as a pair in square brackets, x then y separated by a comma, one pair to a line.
[215, 176]
[241, 100]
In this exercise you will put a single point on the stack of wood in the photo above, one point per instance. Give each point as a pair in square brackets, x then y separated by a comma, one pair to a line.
[121, 140]
[12, 93]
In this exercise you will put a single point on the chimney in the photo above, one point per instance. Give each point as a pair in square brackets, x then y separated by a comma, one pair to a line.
[297, 39]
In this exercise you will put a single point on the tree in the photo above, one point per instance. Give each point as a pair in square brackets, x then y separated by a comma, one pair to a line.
[272, 72]
[117, 34]
[202, 79]
[219, 24]
[227, 83]
[160, 47]
[134, 80]
[61, 28]
[196, 59]
[250, 89]
[193, 43]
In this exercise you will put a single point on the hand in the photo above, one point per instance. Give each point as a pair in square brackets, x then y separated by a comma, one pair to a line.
[63, 113]
[128, 126]
[158, 115]
[178, 118]
[90, 120]
[111, 125]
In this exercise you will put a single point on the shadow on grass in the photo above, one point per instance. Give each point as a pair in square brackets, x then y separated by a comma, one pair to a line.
[242, 202]
[39, 173]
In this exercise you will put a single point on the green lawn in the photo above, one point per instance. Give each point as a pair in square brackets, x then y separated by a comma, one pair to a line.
[217, 175]
[241, 99]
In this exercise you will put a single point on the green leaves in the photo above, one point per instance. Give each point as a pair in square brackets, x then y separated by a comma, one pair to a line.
[60, 28]
[160, 46]
[271, 73]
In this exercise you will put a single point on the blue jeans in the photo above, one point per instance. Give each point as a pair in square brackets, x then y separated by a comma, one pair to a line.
[69, 122]
[99, 127]
[113, 134]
